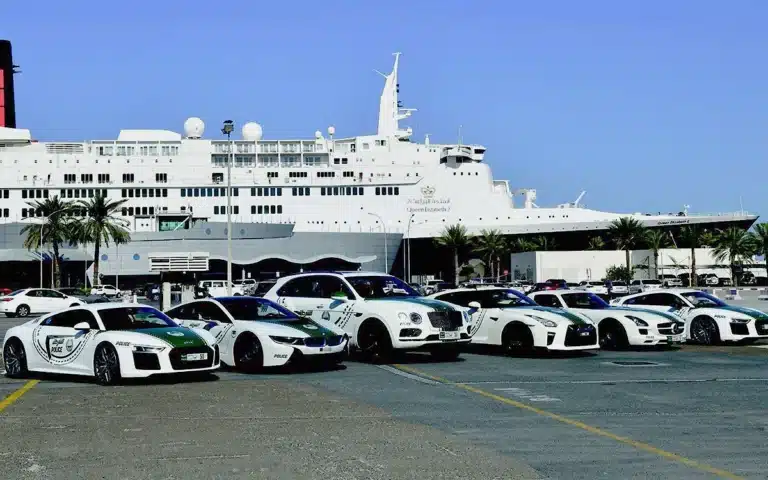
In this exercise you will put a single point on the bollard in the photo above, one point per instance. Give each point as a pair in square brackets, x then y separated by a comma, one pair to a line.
[733, 294]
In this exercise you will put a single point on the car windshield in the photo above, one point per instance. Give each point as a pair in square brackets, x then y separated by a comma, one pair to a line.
[381, 286]
[701, 299]
[506, 299]
[584, 300]
[618, 284]
[596, 284]
[134, 318]
[250, 308]
[263, 287]
[651, 282]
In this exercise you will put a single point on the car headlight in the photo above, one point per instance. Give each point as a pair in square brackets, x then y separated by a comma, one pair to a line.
[287, 340]
[740, 320]
[466, 316]
[147, 349]
[637, 321]
[543, 321]
[416, 318]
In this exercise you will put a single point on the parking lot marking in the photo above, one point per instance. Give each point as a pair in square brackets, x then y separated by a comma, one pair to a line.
[407, 375]
[525, 394]
[613, 382]
[575, 423]
[8, 401]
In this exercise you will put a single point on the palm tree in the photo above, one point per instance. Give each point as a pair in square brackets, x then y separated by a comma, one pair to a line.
[760, 239]
[655, 240]
[692, 235]
[521, 245]
[57, 229]
[101, 225]
[733, 244]
[596, 243]
[626, 232]
[543, 242]
[490, 244]
[457, 239]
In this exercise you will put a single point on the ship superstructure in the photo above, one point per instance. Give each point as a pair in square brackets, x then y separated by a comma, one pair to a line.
[320, 184]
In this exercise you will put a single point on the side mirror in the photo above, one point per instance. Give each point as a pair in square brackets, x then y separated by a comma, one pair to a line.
[82, 326]
[474, 306]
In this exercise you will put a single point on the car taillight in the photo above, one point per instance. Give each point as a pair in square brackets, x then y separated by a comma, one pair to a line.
[5, 299]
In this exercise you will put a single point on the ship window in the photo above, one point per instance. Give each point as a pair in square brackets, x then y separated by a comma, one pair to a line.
[143, 210]
[335, 190]
[183, 192]
[143, 192]
[378, 191]
[389, 190]
[253, 209]
[272, 209]
[130, 211]
[151, 210]
[215, 209]
[397, 190]
[197, 192]
[162, 177]
[279, 209]
[366, 146]
[322, 191]
[336, 161]
[124, 211]
[237, 209]
[253, 191]
[260, 209]
[349, 191]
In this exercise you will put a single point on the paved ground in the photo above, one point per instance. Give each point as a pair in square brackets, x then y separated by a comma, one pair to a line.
[692, 413]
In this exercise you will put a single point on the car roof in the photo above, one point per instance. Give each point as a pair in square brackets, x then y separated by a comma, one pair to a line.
[95, 307]
[338, 273]
[560, 290]
[475, 289]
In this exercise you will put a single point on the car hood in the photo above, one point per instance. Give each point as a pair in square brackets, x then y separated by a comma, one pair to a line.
[301, 328]
[402, 302]
[557, 315]
[174, 336]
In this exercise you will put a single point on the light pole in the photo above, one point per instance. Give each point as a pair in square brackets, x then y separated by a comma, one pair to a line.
[407, 251]
[229, 126]
[384, 228]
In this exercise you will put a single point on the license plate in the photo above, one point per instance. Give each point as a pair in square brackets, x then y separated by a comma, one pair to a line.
[674, 338]
[764, 326]
[584, 334]
[193, 357]
[449, 335]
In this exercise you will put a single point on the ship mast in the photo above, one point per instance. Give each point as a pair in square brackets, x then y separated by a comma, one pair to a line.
[390, 108]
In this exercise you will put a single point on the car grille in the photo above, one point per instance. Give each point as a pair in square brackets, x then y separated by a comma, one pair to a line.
[178, 364]
[665, 328]
[446, 320]
[580, 335]
[333, 340]
[330, 341]
[146, 361]
[762, 327]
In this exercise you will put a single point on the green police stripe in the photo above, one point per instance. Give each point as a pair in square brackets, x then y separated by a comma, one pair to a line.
[310, 328]
[175, 336]
[569, 315]
[756, 314]
[436, 305]
[666, 315]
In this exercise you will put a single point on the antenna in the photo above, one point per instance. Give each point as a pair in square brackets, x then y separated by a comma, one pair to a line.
[459, 135]
[741, 204]
[379, 73]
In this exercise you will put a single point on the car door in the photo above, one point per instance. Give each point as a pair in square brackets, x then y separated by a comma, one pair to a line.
[56, 300]
[206, 315]
[61, 348]
[37, 301]
[338, 303]
[300, 296]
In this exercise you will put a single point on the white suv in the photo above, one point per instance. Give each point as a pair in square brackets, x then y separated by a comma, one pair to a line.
[218, 288]
[639, 286]
[379, 312]
[106, 290]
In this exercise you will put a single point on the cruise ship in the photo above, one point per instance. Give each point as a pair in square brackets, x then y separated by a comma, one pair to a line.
[387, 183]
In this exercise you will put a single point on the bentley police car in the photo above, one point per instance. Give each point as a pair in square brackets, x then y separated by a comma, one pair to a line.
[254, 332]
[618, 327]
[708, 320]
[508, 318]
[108, 341]
[379, 312]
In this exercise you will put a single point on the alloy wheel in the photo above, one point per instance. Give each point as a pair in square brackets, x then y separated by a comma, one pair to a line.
[14, 359]
[106, 366]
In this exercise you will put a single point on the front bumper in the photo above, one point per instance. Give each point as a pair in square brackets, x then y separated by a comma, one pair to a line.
[565, 337]
[660, 334]
[744, 331]
[142, 365]
[283, 354]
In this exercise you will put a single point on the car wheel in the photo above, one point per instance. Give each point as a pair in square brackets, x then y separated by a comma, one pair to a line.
[374, 342]
[517, 339]
[15, 359]
[22, 311]
[106, 365]
[704, 331]
[249, 356]
[446, 354]
[612, 335]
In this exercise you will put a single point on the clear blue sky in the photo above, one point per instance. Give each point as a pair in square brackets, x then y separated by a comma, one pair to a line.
[647, 107]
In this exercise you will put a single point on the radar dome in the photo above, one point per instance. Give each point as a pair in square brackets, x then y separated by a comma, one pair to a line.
[318, 134]
[252, 132]
[331, 130]
[194, 127]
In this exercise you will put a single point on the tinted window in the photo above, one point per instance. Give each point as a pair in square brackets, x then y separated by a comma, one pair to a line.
[701, 299]
[584, 300]
[658, 299]
[298, 287]
[134, 318]
[199, 311]
[381, 286]
[547, 300]
[71, 318]
[256, 309]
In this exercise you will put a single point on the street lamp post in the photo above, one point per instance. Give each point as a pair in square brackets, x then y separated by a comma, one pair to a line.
[407, 251]
[229, 126]
[384, 228]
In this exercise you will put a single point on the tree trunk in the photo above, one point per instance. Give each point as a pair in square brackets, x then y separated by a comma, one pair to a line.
[629, 267]
[498, 269]
[456, 268]
[692, 281]
[656, 263]
[95, 280]
[733, 272]
[55, 265]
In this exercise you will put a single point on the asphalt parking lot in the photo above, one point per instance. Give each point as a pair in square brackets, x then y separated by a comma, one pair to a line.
[689, 413]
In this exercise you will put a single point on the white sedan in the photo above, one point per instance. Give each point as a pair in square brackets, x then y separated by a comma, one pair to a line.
[254, 332]
[507, 318]
[708, 320]
[109, 342]
[618, 327]
[22, 303]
